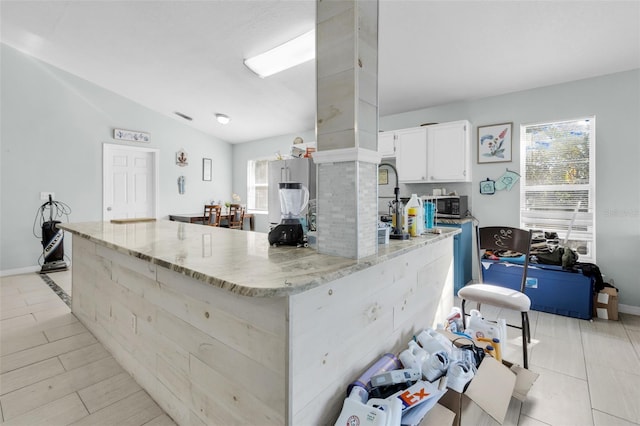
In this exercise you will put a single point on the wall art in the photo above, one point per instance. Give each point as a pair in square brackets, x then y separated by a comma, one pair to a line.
[181, 158]
[206, 169]
[494, 143]
[130, 135]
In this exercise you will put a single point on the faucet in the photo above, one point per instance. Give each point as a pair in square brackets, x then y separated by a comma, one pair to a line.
[396, 232]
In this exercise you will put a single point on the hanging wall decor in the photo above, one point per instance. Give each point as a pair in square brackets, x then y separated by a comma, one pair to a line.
[206, 169]
[130, 135]
[494, 143]
[383, 177]
[181, 158]
[487, 187]
[507, 180]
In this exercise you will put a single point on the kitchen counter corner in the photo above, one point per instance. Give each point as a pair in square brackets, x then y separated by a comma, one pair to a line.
[241, 262]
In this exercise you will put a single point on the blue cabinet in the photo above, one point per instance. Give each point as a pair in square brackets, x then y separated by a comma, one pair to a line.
[462, 252]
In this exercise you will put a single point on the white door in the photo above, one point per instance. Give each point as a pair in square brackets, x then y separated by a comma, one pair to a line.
[129, 182]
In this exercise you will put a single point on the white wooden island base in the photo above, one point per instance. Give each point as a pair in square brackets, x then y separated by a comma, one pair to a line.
[219, 328]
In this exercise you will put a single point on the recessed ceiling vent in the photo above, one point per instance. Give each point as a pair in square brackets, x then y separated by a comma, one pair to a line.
[186, 117]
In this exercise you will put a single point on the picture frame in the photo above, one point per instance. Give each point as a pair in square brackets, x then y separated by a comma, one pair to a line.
[494, 143]
[383, 177]
[206, 169]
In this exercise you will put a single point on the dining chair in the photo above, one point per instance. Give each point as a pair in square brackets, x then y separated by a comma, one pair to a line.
[212, 215]
[494, 294]
[236, 216]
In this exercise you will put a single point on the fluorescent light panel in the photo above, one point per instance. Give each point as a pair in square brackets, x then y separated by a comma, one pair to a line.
[294, 52]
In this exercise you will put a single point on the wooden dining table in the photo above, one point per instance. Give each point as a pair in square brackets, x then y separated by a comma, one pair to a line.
[199, 218]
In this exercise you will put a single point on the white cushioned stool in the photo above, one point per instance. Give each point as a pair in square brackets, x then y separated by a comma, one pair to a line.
[502, 238]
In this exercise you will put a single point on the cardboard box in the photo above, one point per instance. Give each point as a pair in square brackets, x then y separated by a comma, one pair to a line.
[490, 392]
[605, 304]
[438, 416]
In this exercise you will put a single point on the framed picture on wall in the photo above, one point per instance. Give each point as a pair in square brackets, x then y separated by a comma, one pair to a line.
[383, 177]
[206, 169]
[494, 143]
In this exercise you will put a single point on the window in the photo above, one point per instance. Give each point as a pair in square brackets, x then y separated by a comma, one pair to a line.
[558, 188]
[257, 185]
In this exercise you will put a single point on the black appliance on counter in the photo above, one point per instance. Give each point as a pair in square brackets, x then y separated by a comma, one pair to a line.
[450, 206]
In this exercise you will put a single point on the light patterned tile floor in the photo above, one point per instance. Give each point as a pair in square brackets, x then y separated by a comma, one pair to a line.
[53, 371]
[589, 370]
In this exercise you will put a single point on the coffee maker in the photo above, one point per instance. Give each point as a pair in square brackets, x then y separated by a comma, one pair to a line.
[294, 197]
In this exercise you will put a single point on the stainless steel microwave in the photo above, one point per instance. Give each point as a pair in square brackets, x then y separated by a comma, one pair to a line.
[451, 206]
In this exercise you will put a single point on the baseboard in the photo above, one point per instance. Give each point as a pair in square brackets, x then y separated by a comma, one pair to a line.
[20, 271]
[628, 309]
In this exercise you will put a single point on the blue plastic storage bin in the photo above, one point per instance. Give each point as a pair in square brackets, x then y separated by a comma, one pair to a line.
[550, 288]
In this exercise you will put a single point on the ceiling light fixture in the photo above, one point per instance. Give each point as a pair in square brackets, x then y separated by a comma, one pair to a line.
[294, 52]
[222, 118]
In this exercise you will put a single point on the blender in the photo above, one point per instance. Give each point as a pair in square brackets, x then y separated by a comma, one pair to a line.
[294, 197]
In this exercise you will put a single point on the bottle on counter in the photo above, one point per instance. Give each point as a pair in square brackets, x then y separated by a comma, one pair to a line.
[415, 202]
[413, 222]
[429, 214]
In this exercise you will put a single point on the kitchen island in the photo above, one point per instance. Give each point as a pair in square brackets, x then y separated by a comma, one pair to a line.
[221, 328]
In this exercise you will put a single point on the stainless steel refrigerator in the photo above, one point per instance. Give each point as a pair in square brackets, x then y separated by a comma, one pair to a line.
[301, 170]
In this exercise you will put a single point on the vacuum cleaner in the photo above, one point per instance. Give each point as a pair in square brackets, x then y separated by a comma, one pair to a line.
[52, 237]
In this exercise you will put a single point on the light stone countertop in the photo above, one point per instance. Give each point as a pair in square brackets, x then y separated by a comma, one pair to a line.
[451, 221]
[242, 262]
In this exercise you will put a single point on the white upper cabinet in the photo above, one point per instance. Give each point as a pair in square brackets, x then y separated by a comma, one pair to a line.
[448, 152]
[387, 144]
[435, 153]
[411, 154]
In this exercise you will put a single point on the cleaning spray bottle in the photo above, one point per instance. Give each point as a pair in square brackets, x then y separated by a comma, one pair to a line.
[415, 202]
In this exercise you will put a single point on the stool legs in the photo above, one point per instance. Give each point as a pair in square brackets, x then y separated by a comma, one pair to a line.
[525, 339]
[526, 333]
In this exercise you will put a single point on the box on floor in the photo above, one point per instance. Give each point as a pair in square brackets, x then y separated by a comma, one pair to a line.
[489, 393]
[605, 304]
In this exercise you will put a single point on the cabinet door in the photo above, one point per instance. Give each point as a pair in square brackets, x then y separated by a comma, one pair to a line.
[387, 144]
[448, 152]
[411, 154]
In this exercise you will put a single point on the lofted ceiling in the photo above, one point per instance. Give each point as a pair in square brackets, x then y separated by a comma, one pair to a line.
[187, 56]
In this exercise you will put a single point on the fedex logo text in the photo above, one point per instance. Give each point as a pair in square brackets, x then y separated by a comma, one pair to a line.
[410, 399]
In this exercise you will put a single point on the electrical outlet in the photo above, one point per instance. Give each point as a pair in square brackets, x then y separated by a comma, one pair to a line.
[134, 323]
[45, 195]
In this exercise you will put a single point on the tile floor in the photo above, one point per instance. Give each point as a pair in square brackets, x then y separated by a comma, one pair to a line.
[54, 372]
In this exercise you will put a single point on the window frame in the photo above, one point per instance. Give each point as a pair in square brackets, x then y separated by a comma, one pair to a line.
[251, 185]
[555, 217]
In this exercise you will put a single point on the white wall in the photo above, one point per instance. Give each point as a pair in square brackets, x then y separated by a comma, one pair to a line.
[53, 127]
[615, 102]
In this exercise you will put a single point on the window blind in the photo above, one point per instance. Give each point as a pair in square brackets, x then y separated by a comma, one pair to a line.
[558, 188]
[257, 185]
